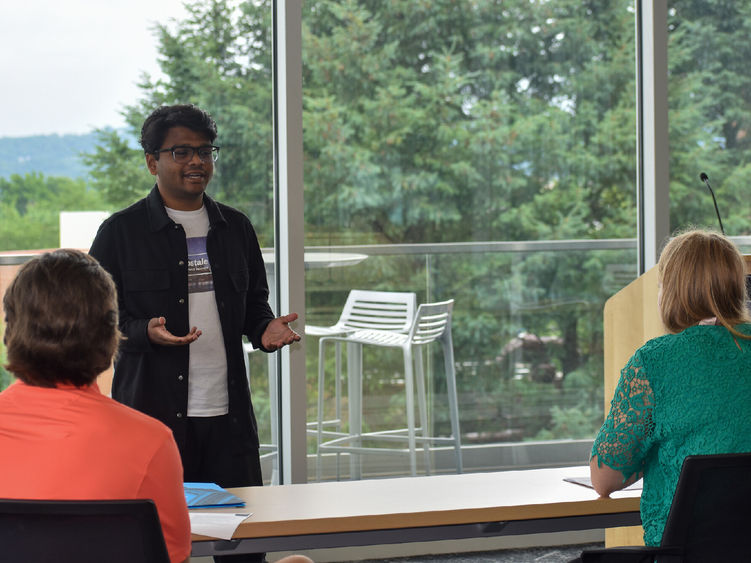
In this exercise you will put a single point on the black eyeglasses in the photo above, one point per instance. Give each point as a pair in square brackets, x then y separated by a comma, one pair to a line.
[183, 153]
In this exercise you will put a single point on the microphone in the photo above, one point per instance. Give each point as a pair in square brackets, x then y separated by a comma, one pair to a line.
[704, 178]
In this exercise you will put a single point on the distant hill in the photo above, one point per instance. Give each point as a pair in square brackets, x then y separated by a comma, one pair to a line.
[52, 155]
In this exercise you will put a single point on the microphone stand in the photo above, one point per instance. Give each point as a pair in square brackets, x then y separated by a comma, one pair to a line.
[704, 178]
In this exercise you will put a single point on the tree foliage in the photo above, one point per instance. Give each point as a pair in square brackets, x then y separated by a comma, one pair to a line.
[30, 207]
[431, 121]
[710, 112]
[219, 59]
[459, 121]
[118, 171]
[417, 116]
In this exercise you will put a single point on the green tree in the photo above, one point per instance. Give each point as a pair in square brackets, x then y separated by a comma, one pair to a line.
[451, 121]
[417, 116]
[445, 121]
[118, 171]
[710, 112]
[219, 59]
[430, 121]
[422, 115]
[30, 206]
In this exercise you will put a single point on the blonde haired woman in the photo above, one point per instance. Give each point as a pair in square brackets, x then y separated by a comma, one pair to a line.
[687, 392]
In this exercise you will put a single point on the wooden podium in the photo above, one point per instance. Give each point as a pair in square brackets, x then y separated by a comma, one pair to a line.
[630, 318]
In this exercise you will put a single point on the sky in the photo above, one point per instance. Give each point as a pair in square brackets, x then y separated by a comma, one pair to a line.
[70, 66]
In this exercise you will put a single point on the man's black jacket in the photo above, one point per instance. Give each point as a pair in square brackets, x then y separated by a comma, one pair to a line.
[146, 254]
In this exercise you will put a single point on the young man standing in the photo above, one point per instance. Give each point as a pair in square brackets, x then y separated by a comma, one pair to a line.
[191, 282]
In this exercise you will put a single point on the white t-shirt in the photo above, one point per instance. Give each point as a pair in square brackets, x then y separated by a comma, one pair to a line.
[207, 365]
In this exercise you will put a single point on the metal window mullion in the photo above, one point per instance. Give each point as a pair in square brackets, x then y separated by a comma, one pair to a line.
[653, 173]
[289, 234]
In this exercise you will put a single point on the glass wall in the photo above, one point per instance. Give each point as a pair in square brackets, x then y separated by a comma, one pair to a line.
[478, 151]
[215, 54]
[709, 114]
[482, 152]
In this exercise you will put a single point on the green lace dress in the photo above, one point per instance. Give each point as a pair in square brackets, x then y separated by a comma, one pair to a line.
[679, 394]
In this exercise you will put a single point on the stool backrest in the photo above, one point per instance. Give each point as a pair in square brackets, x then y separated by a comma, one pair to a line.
[378, 310]
[431, 322]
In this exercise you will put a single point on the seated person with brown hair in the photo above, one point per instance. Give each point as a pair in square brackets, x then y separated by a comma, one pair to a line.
[60, 438]
[686, 392]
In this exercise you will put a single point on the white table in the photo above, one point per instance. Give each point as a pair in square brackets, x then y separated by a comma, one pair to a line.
[316, 259]
[408, 509]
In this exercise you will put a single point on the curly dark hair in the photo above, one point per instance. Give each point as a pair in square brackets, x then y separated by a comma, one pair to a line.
[163, 118]
[61, 320]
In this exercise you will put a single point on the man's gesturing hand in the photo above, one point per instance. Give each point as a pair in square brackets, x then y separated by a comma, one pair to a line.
[158, 334]
[278, 333]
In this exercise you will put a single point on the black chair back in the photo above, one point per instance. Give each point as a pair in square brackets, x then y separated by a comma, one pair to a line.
[709, 517]
[115, 531]
[711, 511]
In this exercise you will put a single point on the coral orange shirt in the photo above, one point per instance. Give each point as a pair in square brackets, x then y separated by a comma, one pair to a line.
[70, 443]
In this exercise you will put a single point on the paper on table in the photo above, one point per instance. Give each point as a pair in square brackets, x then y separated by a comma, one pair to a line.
[587, 482]
[216, 524]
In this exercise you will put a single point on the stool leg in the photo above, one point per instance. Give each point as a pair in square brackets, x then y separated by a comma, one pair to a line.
[274, 410]
[319, 425]
[422, 406]
[448, 361]
[410, 396]
[338, 386]
[338, 403]
[354, 389]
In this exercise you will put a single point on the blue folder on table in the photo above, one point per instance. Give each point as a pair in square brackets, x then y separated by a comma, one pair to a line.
[209, 495]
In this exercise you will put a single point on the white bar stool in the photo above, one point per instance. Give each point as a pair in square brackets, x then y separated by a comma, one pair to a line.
[432, 323]
[387, 311]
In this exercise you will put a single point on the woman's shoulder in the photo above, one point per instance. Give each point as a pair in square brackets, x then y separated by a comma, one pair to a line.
[662, 342]
[668, 346]
[693, 340]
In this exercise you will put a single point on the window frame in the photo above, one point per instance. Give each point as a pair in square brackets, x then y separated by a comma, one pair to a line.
[651, 182]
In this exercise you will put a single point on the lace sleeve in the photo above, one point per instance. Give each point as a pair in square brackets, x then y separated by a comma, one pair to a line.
[626, 435]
